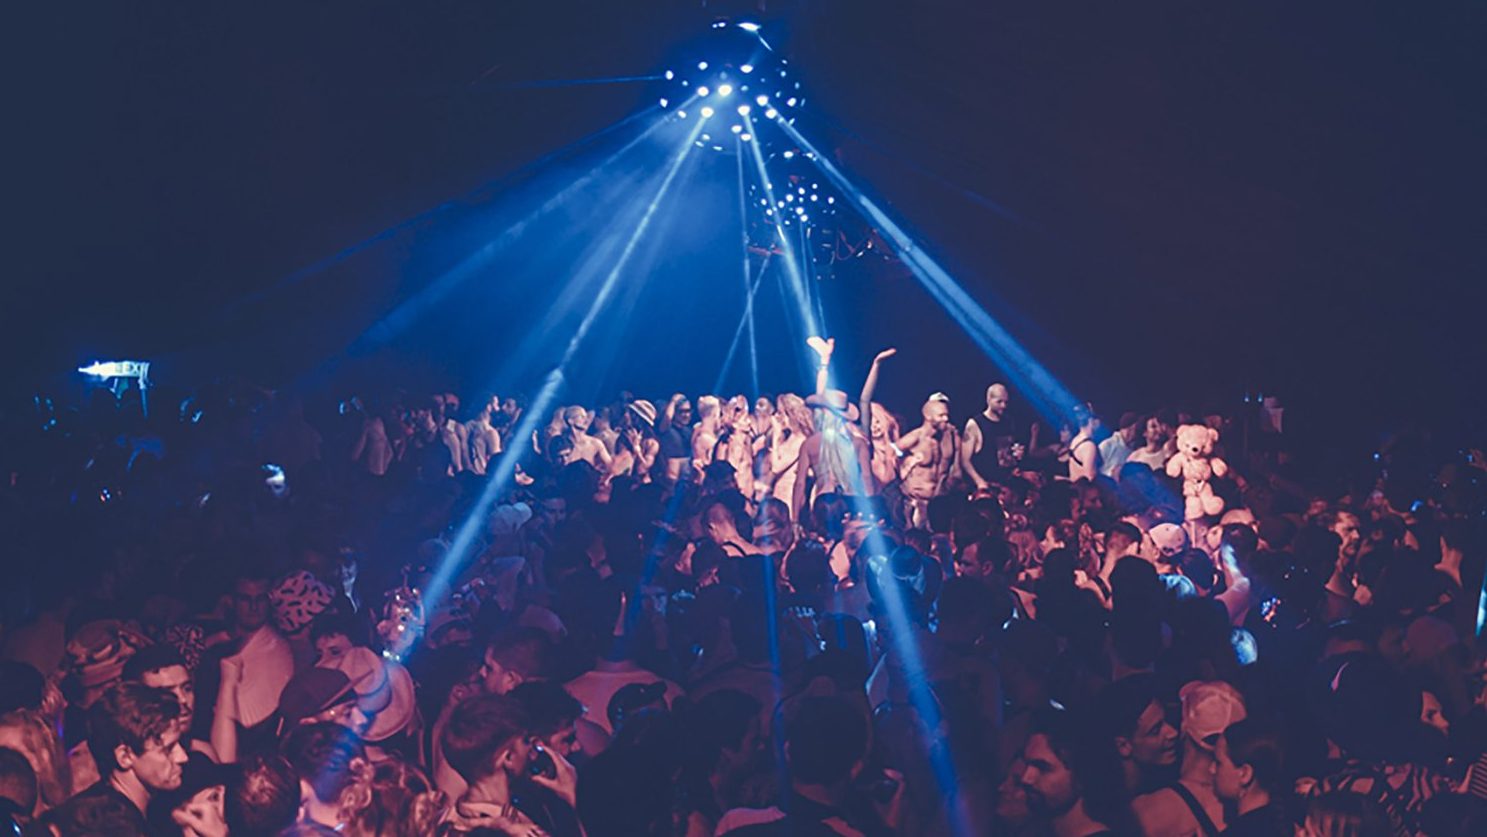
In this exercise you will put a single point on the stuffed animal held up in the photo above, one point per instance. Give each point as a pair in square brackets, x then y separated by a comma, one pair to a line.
[1196, 464]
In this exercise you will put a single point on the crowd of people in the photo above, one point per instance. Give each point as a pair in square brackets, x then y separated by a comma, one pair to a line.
[262, 613]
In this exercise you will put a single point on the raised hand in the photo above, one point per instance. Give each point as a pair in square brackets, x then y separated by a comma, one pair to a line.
[565, 783]
[884, 355]
[823, 348]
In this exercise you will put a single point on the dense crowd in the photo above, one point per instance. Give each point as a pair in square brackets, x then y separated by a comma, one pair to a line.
[256, 613]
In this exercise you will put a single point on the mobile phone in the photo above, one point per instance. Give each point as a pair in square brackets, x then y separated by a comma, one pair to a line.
[541, 763]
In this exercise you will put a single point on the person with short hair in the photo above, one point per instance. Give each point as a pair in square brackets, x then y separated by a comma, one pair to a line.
[134, 734]
[826, 743]
[1115, 450]
[334, 777]
[992, 444]
[722, 528]
[586, 448]
[705, 433]
[511, 657]
[262, 795]
[163, 667]
[1160, 445]
[485, 442]
[1250, 777]
[1083, 454]
[1132, 715]
[254, 673]
[1190, 805]
[674, 432]
[928, 452]
[489, 742]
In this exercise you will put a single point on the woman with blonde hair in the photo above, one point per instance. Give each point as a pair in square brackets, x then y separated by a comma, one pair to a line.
[792, 424]
[404, 803]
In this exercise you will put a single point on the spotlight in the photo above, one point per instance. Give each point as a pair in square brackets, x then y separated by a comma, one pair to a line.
[746, 69]
[743, 110]
[771, 113]
[702, 91]
[702, 65]
[761, 100]
[790, 198]
[749, 27]
[791, 101]
[681, 114]
[764, 201]
[737, 129]
[788, 154]
[665, 102]
[830, 200]
[804, 218]
[813, 197]
[746, 137]
[707, 113]
[670, 75]
[801, 190]
[725, 90]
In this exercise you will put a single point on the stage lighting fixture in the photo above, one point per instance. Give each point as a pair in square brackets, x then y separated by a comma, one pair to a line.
[743, 110]
[707, 113]
[746, 137]
[788, 155]
[665, 102]
[702, 65]
[670, 75]
[790, 102]
[681, 114]
[761, 100]
[746, 69]
[749, 27]
[725, 90]
[703, 91]
[771, 113]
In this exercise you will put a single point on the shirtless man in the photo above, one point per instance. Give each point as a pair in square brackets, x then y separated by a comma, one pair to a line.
[585, 447]
[991, 445]
[928, 454]
[705, 434]
[485, 442]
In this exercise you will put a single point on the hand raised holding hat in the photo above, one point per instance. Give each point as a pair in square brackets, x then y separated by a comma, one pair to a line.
[823, 348]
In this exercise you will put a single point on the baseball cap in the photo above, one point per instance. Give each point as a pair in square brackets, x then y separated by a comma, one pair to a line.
[1208, 708]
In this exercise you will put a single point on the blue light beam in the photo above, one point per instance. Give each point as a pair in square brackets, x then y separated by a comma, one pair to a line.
[1049, 396]
[798, 289]
[537, 411]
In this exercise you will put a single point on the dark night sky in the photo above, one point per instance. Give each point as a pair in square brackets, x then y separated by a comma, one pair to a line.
[1197, 199]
